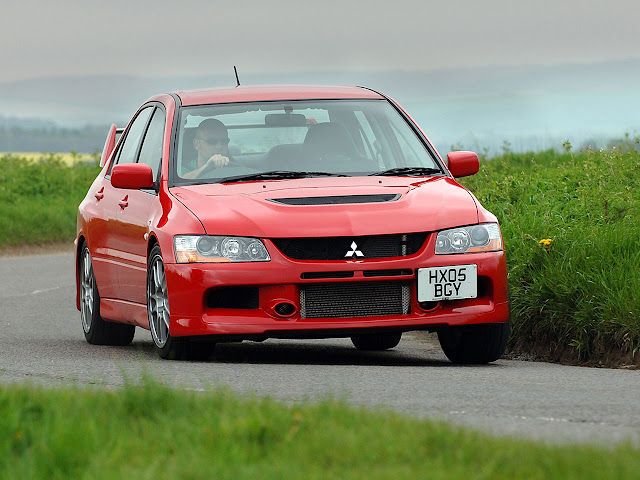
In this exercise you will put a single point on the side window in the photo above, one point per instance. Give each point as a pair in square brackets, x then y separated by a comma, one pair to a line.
[130, 147]
[151, 152]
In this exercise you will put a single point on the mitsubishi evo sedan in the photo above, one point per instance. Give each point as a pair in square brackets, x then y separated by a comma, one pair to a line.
[247, 213]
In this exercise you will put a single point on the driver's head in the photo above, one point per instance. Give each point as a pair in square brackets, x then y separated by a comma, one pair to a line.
[211, 138]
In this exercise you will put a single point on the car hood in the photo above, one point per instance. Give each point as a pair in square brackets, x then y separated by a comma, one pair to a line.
[249, 209]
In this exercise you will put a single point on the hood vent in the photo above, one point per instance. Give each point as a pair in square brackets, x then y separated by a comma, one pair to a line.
[337, 199]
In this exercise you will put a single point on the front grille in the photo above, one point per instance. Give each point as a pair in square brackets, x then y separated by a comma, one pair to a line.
[354, 299]
[341, 248]
[338, 199]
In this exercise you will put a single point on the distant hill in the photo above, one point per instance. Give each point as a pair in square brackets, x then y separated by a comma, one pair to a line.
[531, 107]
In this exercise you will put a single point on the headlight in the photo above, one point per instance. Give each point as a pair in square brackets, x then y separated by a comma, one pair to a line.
[217, 249]
[484, 237]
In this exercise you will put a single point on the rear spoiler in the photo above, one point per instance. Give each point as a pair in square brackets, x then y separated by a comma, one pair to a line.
[110, 143]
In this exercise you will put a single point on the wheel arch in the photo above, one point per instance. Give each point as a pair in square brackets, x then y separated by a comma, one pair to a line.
[153, 241]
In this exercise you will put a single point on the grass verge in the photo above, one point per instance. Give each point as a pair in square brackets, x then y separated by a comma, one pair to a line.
[39, 198]
[575, 299]
[152, 431]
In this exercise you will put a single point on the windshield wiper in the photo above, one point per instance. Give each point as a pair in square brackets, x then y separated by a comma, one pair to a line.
[277, 175]
[400, 171]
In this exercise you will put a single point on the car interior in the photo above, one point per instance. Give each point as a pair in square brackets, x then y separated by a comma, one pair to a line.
[327, 146]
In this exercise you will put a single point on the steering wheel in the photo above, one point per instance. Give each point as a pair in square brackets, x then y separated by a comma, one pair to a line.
[212, 166]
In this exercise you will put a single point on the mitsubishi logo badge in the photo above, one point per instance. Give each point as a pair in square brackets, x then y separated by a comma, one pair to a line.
[354, 251]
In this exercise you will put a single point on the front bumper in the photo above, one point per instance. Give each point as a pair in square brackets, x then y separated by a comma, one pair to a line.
[280, 280]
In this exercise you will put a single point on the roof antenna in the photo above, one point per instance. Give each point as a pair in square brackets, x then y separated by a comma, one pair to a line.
[237, 79]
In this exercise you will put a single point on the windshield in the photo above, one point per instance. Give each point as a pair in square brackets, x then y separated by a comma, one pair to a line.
[242, 141]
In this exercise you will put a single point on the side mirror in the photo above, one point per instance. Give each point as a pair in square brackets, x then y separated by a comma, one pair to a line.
[109, 145]
[463, 164]
[132, 175]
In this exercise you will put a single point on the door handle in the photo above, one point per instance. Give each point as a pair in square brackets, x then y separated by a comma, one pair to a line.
[124, 203]
[99, 195]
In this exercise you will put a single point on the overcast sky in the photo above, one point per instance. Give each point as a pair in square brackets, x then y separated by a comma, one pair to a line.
[169, 37]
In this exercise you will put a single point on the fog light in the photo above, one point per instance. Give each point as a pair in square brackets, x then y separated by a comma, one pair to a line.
[428, 305]
[284, 309]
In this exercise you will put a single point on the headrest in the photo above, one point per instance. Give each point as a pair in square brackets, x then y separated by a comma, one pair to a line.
[329, 137]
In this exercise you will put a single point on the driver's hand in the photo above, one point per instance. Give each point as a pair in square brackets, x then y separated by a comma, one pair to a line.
[218, 160]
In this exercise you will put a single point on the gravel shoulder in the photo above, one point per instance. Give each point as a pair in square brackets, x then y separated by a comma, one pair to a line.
[28, 250]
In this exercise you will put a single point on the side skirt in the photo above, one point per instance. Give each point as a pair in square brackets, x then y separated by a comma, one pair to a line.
[123, 311]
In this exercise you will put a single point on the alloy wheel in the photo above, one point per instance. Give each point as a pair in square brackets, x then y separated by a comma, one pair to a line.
[87, 299]
[158, 303]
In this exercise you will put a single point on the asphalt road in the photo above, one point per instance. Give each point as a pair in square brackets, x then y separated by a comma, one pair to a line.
[41, 341]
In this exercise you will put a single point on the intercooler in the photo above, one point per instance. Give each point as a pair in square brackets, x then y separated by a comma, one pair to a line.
[354, 299]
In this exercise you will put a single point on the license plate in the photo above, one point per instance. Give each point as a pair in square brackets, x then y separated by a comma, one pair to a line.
[447, 283]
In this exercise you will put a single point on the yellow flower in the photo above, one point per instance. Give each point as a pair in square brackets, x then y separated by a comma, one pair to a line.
[546, 242]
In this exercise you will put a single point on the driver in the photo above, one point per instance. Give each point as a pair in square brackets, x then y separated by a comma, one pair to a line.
[212, 144]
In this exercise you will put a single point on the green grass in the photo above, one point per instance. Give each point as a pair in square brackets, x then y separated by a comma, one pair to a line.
[579, 297]
[39, 198]
[151, 431]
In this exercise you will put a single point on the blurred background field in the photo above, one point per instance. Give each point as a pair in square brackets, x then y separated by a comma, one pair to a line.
[68, 158]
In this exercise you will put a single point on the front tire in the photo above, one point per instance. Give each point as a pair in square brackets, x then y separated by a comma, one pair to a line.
[96, 330]
[474, 344]
[376, 341]
[167, 347]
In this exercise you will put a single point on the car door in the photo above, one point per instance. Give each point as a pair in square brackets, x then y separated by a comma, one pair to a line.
[100, 214]
[101, 225]
[134, 216]
[114, 255]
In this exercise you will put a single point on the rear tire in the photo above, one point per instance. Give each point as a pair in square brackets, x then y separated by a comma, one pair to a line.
[167, 346]
[376, 341]
[474, 344]
[96, 330]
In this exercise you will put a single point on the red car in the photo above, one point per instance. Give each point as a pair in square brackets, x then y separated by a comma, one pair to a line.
[247, 213]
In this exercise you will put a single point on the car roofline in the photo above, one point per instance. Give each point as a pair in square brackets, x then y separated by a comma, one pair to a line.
[273, 93]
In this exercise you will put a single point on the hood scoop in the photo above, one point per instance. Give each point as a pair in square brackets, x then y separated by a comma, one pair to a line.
[337, 199]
